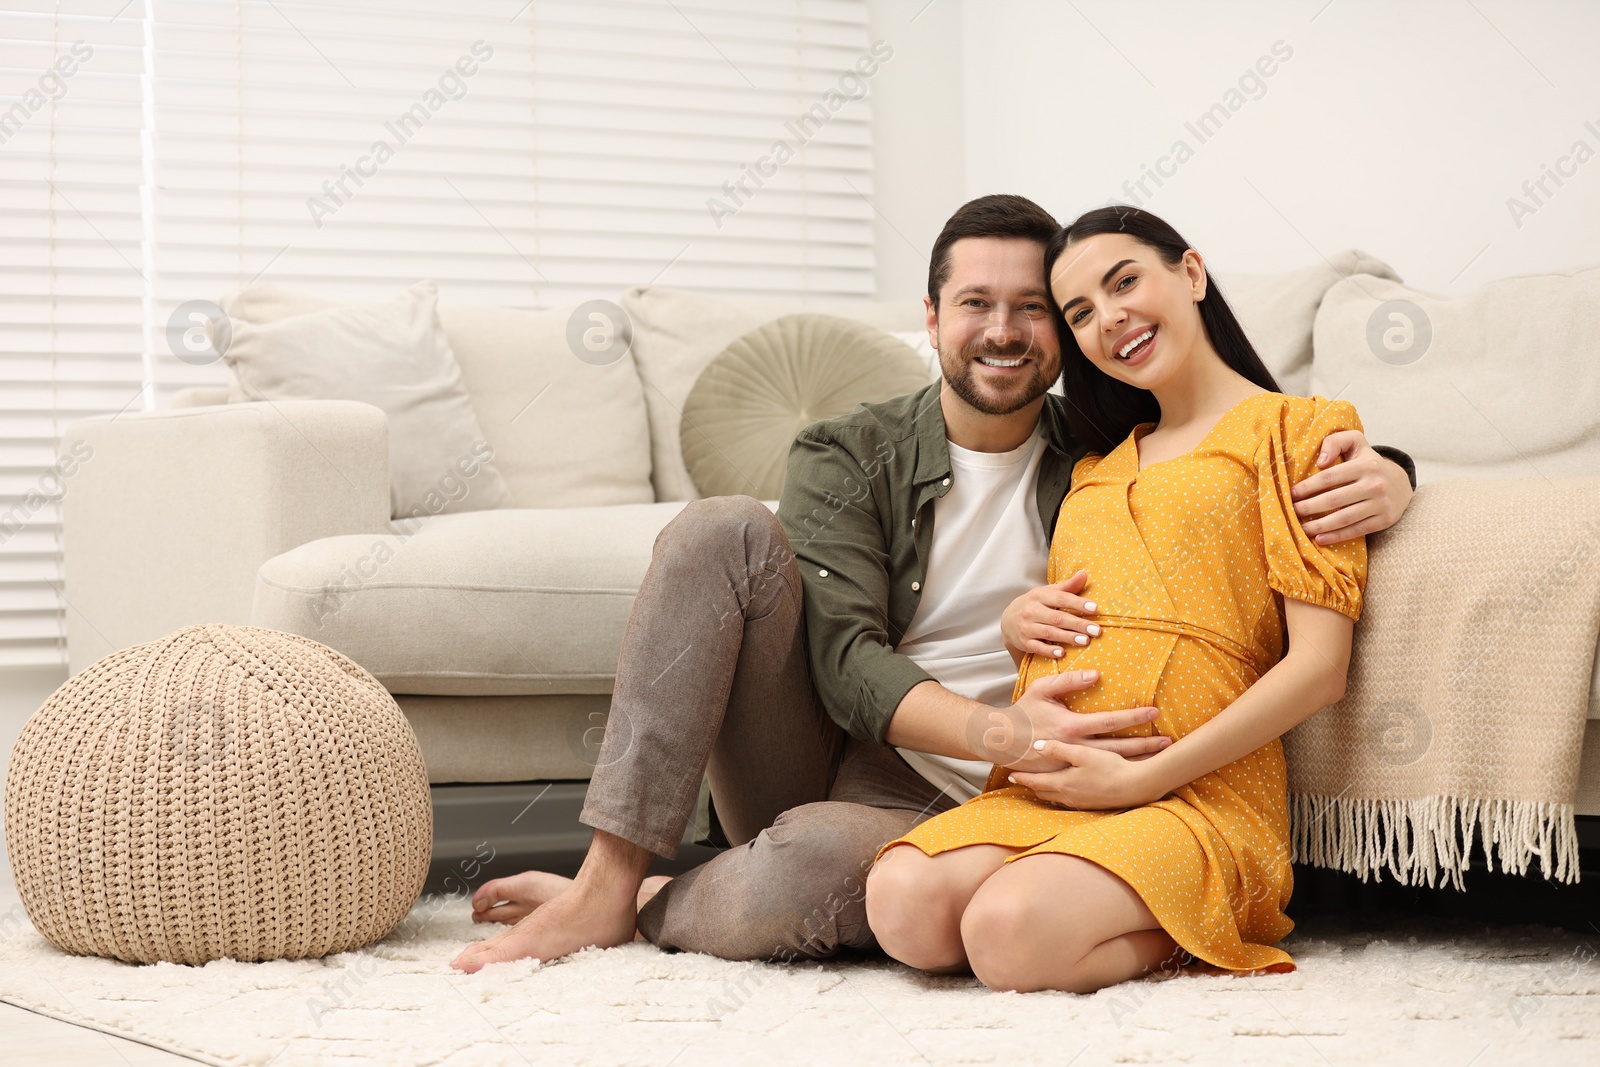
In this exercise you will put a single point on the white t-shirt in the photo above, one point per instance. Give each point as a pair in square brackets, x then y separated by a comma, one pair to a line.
[988, 549]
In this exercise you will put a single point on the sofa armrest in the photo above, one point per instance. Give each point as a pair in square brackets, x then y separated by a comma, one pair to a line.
[168, 514]
[195, 396]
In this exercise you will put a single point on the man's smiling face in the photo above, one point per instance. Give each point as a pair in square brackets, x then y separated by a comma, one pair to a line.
[994, 326]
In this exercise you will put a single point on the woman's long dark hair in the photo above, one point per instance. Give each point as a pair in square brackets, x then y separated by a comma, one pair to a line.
[1101, 410]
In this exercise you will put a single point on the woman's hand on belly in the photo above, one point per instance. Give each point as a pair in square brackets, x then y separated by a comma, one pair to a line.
[1092, 779]
[1049, 618]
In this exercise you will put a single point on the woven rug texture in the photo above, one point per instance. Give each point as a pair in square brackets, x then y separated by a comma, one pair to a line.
[1431, 992]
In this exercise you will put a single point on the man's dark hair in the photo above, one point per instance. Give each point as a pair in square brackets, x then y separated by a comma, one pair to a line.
[1000, 215]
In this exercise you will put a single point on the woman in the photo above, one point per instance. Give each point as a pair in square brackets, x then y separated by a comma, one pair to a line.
[1109, 868]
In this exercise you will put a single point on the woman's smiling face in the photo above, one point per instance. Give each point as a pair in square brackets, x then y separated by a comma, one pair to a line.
[1135, 317]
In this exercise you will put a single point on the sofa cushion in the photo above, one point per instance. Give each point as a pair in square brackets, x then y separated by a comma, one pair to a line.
[747, 405]
[394, 355]
[485, 603]
[1277, 310]
[566, 432]
[677, 333]
[1499, 383]
[926, 353]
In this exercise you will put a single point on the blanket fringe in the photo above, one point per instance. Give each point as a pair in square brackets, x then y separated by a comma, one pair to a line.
[1416, 840]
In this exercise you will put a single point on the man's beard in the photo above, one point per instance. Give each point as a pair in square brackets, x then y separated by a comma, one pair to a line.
[1015, 396]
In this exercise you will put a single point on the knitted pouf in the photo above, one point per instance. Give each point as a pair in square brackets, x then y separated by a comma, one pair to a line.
[225, 791]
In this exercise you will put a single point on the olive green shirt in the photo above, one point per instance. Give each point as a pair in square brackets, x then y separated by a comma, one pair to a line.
[857, 505]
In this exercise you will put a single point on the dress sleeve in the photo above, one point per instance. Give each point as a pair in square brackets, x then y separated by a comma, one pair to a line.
[1333, 576]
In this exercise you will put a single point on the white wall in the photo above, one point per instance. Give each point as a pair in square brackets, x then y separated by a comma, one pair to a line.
[918, 152]
[1400, 129]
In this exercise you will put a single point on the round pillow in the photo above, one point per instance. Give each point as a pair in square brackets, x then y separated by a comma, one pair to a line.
[747, 405]
[224, 791]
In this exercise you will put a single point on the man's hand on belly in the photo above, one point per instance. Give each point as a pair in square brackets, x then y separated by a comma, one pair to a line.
[1008, 737]
[932, 719]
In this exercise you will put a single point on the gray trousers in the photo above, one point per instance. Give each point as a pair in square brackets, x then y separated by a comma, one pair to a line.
[713, 677]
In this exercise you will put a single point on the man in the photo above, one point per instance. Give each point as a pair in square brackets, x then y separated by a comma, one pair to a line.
[839, 670]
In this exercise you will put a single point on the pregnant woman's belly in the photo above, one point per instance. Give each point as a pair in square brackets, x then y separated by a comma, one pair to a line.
[1239, 812]
[1188, 674]
[1189, 680]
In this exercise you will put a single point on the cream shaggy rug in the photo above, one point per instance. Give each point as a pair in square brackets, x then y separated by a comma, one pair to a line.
[1435, 993]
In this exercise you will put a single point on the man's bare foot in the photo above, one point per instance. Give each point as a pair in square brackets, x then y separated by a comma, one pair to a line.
[598, 910]
[572, 920]
[509, 900]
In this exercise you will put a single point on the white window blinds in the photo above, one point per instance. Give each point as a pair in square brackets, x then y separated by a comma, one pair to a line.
[715, 137]
[533, 157]
[73, 255]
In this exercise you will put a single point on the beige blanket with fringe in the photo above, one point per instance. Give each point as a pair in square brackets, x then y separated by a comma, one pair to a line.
[1469, 686]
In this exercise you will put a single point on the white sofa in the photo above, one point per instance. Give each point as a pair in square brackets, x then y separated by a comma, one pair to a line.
[498, 630]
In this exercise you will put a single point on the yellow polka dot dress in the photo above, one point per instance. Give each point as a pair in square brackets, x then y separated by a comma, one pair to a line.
[1185, 559]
